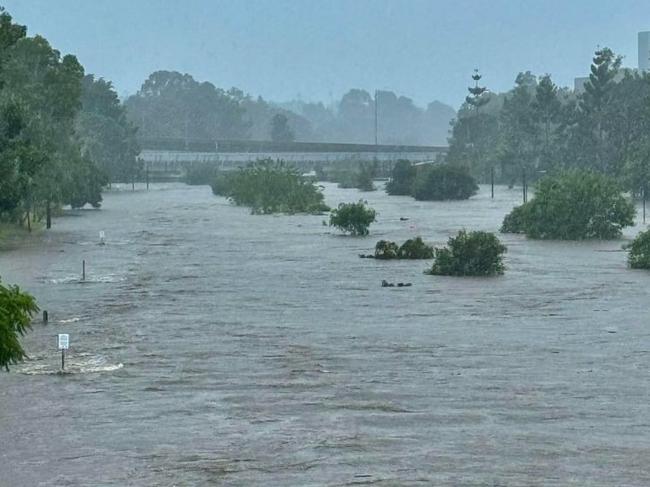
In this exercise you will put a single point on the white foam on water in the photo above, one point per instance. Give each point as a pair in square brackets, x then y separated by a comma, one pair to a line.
[80, 364]
[70, 320]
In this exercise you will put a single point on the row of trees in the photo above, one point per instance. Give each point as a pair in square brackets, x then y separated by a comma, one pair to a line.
[174, 105]
[62, 133]
[537, 126]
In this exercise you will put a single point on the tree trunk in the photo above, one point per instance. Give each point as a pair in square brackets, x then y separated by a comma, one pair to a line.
[48, 215]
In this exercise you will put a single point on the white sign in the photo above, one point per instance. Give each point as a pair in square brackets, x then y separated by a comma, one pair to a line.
[64, 341]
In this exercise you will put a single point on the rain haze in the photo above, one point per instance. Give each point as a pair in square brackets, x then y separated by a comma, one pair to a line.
[324, 243]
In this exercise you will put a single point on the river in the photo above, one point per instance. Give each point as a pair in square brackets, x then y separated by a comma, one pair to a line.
[214, 347]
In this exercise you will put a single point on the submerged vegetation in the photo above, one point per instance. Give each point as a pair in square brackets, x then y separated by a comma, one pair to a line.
[470, 254]
[402, 178]
[444, 182]
[201, 174]
[639, 256]
[436, 182]
[357, 175]
[16, 311]
[414, 248]
[573, 205]
[268, 186]
[353, 218]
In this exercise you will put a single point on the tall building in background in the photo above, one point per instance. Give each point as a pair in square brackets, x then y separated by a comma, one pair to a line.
[644, 51]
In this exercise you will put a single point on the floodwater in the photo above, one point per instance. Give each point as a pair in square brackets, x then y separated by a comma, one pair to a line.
[214, 347]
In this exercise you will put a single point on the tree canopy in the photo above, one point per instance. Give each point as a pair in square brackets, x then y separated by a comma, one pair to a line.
[16, 311]
[537, 127]
[353, 218]
[470, 254]
[61, 132]
[573, 205]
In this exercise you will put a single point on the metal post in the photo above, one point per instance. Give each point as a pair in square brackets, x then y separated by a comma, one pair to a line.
[492, 180]
[376, 120]
[644, 193]
[147, 175]
[62, 359]
[48, 215]
[524, 185]
[83, 270]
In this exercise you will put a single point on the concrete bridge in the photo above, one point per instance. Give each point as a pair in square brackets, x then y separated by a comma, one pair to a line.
[174, 156]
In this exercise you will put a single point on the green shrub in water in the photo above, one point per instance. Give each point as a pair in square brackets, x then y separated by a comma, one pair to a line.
[470, 254]
[639, 256]
[353, 218]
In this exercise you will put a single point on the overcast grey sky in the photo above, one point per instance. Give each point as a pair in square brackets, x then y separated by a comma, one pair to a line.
[318, 49]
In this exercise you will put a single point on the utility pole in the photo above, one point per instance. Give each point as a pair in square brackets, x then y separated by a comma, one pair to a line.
[376, 122]
[376, 131]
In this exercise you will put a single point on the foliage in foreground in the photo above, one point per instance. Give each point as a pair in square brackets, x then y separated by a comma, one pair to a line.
[444, 182]
[414, 248]
[353, 218]
[270, 187]
[470, 254]
[573, 205]
[16, 310]
[639, 256]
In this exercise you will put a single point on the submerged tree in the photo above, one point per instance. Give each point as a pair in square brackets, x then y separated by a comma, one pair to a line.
[353, 218]
[573, 205]
[402, 178]
[444, 182]
[470, 254]
[639, 256]
[268, 186]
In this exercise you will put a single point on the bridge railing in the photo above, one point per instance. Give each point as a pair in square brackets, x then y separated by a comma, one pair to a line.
[263, 146]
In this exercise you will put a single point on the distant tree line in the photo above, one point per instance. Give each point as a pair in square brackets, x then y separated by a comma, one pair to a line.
[537, 127]
[176, 106]
[62, 134]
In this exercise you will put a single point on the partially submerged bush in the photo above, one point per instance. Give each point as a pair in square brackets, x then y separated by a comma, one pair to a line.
[639, 256]
[514, 221]
[415, 248]
[470, 254]
[221, 183]
[270, 187]
[361, 179]
[444, 182]
[365, 176]
[354, 218]
[199, 174]
[386, 250]
[573, 205]
[402, 178]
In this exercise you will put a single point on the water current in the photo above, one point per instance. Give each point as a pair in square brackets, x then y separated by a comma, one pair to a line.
[214, 347]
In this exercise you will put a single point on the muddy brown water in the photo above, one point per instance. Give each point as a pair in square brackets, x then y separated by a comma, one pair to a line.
[214, 347]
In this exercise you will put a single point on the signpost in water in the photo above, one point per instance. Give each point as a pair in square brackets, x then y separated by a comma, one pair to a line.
[64, 344]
